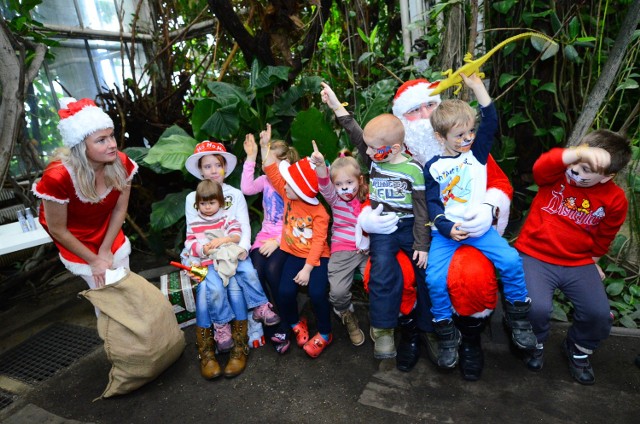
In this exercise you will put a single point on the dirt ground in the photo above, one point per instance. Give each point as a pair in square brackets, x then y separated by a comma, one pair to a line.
[344, 385]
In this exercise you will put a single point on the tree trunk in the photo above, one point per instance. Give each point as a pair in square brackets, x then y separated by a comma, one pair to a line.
[14, 82]
[610, 69]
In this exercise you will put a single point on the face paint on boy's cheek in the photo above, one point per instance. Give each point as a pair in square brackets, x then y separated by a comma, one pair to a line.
[382, 153]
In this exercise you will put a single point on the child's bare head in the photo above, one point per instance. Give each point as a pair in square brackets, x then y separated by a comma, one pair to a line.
[452, 113]
[384, 131]
[614, 143]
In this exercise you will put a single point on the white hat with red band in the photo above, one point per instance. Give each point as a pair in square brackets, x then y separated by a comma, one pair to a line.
[412, 94]
[80, 118]
[209, 148]
[302, 178]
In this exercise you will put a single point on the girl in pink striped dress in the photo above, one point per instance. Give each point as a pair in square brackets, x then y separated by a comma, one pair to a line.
[344, 189]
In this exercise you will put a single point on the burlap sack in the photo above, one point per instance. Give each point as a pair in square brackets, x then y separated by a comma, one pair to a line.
[139, 329]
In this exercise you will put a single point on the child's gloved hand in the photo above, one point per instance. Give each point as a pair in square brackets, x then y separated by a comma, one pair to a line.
[373, 222]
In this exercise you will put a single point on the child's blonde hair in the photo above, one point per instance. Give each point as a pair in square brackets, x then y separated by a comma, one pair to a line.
[209, 190]
[451, 113]
[347, 163]
[282, 151]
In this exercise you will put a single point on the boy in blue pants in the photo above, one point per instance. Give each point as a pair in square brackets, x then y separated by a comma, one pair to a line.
[455, 183]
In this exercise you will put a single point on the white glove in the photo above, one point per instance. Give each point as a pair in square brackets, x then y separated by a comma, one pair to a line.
[478, 221]
[373, 222]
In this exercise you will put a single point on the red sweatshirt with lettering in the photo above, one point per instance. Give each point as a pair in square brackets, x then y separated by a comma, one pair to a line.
[568, 225]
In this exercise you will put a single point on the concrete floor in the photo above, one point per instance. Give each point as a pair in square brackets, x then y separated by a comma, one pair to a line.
[345, 385]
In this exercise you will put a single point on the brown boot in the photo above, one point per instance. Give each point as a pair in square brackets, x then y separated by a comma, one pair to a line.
[209, 367]
[238, 357]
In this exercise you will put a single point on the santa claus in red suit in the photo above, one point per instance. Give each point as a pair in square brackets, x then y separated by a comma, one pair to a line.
[471, 278]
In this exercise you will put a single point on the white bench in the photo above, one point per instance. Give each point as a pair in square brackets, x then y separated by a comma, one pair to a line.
[12, 239]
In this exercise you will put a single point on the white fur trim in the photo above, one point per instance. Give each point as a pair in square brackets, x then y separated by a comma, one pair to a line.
[413, 97]
[77, 127]
[46, 196]
[77, 268]
[499, 199]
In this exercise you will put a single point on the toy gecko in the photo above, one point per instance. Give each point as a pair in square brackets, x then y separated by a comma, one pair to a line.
[473, 66]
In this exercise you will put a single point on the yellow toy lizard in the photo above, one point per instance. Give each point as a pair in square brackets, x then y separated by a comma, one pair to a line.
[473, 66]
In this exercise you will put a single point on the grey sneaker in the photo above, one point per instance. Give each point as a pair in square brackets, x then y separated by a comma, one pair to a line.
[385, 347]
[350, 321]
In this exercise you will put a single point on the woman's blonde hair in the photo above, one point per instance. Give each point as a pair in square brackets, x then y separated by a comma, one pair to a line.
[347, 163]
[75, 158]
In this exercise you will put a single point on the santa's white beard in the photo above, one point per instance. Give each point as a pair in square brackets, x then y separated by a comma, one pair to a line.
[420, 140]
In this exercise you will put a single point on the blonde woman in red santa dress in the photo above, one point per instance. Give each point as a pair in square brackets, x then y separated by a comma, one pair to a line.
[85, 193]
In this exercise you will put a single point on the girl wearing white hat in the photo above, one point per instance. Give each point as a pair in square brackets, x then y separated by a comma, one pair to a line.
[210, 160]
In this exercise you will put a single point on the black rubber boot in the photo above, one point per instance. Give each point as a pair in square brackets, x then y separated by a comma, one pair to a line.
[448, 341]
[409, 346]
[471, 355]
[516, 319]
[579, 365]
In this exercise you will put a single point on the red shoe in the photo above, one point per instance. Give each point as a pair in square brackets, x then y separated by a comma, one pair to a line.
[316, 345]
[302, 332]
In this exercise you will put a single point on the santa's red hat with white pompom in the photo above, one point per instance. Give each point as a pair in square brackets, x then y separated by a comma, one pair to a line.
[412, 94]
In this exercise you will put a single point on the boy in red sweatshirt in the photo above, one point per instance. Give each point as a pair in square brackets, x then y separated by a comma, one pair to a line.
[573, 219]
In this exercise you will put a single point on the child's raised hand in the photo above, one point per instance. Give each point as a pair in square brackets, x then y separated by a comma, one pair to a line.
[317, 160]
[265, 137]
[250, 147]
[598, 159]
[474, 82]
[316, 157]
[329, 97]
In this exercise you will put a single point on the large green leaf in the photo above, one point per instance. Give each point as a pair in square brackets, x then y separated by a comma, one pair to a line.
[377, 100]
[286, 103]
[171, 152]
[168, 211]
[137, 153]
[226, 94]
[223, 124]
[270, 76]
[310, 125]
[202, 111]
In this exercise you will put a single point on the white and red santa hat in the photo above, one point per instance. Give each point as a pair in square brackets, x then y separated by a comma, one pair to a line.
[209, 148]
[80, 118]
[412, 94]
[302, 178]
